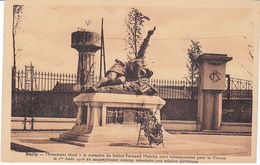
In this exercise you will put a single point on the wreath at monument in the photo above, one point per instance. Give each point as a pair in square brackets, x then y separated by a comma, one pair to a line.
[152, 128]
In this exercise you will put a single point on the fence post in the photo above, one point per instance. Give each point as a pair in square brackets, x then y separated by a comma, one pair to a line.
[228, 87]
[32, 109]
[13, 89]
[25, 115]
[228, 91]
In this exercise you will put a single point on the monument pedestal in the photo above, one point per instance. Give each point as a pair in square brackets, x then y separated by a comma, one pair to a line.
[106, 117]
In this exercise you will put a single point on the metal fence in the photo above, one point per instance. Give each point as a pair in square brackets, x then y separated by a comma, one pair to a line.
[48, 94]
[238, 89]
[45, 81]
[176, 89]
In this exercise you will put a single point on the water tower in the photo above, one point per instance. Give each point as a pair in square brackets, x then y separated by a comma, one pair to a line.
[85, 43]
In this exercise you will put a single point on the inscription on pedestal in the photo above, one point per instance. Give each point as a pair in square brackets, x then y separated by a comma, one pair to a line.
[118, 115]
[129, 116]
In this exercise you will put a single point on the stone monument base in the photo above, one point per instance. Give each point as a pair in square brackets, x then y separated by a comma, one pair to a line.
[93, 122]
[124, 133]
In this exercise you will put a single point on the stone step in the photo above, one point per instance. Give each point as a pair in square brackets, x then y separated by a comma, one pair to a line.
[77, 143]
[210, 132]
[23, 148]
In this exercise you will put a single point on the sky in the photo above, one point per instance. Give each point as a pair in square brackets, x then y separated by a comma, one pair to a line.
[45, 36]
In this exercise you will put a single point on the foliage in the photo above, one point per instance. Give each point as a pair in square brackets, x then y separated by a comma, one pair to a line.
[134, 23]
[152, 128]
[17, 11]
[192, 65]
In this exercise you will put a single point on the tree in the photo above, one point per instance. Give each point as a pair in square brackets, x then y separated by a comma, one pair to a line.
[134, 23]
[193, 66]
[17, 11]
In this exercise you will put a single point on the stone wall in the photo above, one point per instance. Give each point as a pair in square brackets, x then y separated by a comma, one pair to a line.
[44, 104]
[60, 105]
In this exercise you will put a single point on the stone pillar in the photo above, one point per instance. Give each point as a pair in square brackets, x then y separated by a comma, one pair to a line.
[95, 111]
[207, 110]
[103, 116]
[212, 83]
[217, 110]
[200, 110]
[79, 114]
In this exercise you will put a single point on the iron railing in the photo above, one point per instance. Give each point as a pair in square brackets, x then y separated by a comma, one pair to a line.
[177, 89]
[238, 89]
[44, 81]
[51, 95]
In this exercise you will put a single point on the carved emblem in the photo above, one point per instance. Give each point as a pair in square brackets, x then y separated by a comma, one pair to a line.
[214, 76]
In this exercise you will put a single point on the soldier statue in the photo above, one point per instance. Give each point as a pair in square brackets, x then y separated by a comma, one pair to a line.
[132, 74]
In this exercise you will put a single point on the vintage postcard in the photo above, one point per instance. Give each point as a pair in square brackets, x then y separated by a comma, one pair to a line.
[130, 81]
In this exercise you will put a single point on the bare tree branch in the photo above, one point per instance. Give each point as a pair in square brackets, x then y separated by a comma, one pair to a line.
[17, 11]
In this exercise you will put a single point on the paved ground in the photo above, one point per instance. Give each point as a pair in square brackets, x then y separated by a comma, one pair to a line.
[174, 144]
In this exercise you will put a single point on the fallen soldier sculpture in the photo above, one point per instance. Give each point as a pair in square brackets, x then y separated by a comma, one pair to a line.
[131, 77]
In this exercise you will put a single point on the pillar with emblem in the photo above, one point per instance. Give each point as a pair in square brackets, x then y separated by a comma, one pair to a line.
[212, 84]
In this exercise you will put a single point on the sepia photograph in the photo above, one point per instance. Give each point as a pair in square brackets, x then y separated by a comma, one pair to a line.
[130, 81]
